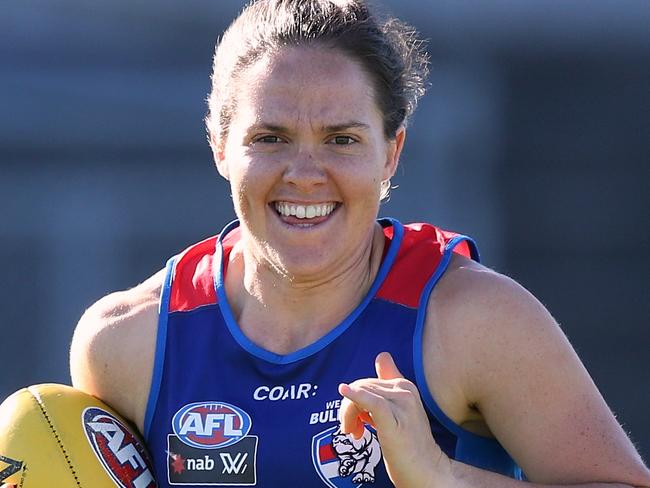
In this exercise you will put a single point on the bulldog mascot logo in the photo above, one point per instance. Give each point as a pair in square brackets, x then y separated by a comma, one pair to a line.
[343, 461]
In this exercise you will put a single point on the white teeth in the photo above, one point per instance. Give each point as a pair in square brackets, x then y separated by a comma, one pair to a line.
[304, 211]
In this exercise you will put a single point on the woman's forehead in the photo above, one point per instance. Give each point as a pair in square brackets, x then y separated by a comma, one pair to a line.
[321, 85]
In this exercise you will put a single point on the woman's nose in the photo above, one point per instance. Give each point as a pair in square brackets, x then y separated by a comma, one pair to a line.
[304, 170]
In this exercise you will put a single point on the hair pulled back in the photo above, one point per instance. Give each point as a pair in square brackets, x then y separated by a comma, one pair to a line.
[387, 49]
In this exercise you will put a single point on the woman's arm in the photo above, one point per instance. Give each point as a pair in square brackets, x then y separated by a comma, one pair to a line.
[112, 350]
[520, 373]
[512, 364]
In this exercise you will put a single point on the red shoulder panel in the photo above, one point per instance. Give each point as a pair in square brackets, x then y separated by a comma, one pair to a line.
[417, 260]
[193, 281]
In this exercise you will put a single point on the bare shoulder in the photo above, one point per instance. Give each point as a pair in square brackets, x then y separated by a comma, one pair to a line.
[113, 347]
[475, 307]
[513, 369]
[464, 326]
[477, 316]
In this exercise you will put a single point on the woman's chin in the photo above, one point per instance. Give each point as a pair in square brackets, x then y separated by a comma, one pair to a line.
[303, 264]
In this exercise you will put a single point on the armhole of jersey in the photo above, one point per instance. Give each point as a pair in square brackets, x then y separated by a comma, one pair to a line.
[468, 441]
[418, 361]
[161, 342]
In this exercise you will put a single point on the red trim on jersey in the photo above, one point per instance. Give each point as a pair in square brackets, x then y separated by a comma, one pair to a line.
[420, 253]
[193, 282]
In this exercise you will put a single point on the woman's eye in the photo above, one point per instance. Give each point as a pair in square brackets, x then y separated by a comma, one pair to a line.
[343, 140]
[268, 139]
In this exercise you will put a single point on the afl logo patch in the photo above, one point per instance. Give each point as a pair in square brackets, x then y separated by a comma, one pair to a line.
[211, 425]
[121, 454]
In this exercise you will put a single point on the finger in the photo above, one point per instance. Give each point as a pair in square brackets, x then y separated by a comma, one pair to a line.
[392, 390]
[386, 367]
[351, 417]
[359, 400]
[366, 418]
[350, 414]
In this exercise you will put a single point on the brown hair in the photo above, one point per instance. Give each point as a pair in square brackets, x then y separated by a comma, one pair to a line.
[387, 49]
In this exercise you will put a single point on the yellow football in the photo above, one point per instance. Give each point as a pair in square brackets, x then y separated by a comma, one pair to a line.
[56, 436]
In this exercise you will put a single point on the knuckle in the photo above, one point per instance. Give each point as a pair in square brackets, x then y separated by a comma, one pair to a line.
[360, 383]
[406, 385]
[346, 403]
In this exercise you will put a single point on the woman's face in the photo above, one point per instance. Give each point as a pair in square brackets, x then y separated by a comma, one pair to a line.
[305, 156]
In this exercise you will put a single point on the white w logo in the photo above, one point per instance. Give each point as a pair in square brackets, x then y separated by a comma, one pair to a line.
[236, 465]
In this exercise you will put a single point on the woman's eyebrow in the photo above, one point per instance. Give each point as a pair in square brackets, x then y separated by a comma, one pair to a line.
[342, 127]
[268, 127]
[346, 126]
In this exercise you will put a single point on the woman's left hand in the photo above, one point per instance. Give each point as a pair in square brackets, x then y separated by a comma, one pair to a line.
[392, 405]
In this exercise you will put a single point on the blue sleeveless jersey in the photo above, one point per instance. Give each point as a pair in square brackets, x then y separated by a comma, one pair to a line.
[223, 411]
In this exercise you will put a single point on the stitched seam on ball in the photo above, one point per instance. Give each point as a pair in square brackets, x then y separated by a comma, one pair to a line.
[56, 435]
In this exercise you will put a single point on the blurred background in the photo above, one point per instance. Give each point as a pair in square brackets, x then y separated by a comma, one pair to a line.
[534, 138]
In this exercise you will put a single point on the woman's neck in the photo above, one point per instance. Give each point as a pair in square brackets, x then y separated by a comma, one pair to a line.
[284, 313]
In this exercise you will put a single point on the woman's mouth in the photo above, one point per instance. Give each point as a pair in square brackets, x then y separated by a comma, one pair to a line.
[304, 215]
[287, 209]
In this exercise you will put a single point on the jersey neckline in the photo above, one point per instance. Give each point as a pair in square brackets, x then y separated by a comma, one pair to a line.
[318, 345]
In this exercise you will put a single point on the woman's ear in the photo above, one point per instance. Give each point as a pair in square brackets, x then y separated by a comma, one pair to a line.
[395, 147]
[218, 154]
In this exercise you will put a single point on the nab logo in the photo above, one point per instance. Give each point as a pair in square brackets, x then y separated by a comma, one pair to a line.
[121, 454]
[211, 425]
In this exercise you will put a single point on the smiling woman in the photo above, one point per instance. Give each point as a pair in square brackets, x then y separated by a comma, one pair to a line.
[309, 344]
[307, 134]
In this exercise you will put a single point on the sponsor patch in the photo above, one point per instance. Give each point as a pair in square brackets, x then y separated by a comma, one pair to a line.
[211, 425]
[344, 462]
[211, 446]
[235, 464]
[122, 455]
[280, 393]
